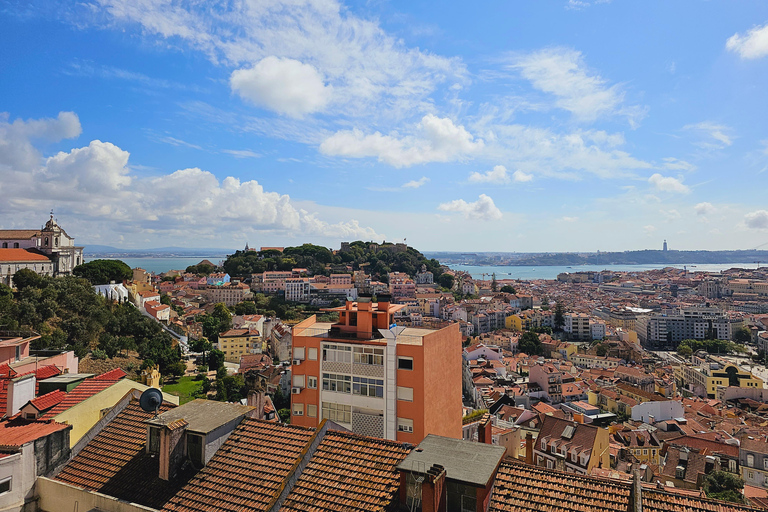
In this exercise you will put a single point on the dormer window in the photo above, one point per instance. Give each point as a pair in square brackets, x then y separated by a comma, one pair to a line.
[544, 444]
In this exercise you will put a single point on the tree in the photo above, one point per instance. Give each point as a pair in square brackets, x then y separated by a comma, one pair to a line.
[494, 283]
[215, 359]
[103, 271]
[559, 316]
[601, 350]
[25, 278]
[165, 299]
[684, 350]
[742, 335]
[223, 315]
[722, 485]
[446, 281]
[529, 343]
[508, 289]
[247, 307]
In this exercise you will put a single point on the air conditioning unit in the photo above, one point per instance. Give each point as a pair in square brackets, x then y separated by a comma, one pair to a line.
[295, 390]
[296, 361]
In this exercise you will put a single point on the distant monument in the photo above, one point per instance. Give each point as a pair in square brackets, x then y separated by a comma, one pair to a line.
[665, 246]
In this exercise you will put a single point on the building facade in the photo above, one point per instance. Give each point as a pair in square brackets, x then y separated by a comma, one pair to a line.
[401, 384]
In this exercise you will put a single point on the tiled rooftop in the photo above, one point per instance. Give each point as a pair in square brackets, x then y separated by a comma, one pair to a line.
[115, 462]
[248, 471]
[82, 392]
[45, 402]
[521, 487]
[17, 432]
[349, 473]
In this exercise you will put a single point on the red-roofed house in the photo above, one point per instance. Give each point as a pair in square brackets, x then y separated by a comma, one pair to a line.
[28, 449]
[38, 406]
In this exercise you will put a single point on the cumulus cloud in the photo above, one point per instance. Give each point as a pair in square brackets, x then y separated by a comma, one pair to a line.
[482, 209]
[366, 66]
[752, 45]
[416, 183]
[284, 85]
[521, 176]
[436, 140]
[704, 208]
[16, 138]
[94, 183]
[497, 175]
[563, 73]
[668, 184]
[757, 219]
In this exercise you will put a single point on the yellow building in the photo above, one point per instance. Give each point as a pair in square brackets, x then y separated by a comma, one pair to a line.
[237, 342]
[704, 380]
[514, 322]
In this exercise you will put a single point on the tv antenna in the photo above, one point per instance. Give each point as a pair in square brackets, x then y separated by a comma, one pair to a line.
[150, 400]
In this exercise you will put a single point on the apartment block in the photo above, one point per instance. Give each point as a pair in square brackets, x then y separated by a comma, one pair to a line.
[665, 331]
[577, 325]
[399, 383]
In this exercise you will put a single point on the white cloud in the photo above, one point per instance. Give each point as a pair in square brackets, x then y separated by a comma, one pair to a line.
[704, 208]
[649, 230]
[675, 164]
[286, 86]
[436, 140]
[366, 66]
[497, 175]
[752, 45]
[94, 184]
[173, 141]
[757, 219]
[668, 184]
[715, 135]
[416, 183]
[241, 153]
[569, 219]
[522, 177]
[482, 209]
[16, 138]
[562, 72]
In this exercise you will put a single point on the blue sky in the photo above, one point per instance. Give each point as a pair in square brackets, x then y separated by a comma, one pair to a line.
[494, 126]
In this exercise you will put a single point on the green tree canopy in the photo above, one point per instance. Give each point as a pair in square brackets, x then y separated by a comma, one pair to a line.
[508, 289]
[530, 344]
[104, 271]
[722, 485]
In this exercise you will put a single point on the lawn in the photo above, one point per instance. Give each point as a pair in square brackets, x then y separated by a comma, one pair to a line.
[185, 389]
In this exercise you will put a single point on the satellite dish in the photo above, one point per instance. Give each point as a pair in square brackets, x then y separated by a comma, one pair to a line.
[151, 399]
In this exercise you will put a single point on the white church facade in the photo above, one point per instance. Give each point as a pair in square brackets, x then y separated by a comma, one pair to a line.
[48, 251]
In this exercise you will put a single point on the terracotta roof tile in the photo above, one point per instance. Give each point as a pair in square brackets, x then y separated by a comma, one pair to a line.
[112, 375]
[22, 255]
[45, 402]
[349, 473]
[82, 392]
[248, 471]
[17, 431]
[115, 462]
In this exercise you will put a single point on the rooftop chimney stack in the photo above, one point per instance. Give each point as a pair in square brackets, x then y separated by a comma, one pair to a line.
[172, 448]
[20, 391]
[433, 492]
[529, 448]
[485, 430]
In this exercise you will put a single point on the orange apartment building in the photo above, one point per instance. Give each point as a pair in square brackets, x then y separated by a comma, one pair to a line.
[399, 384]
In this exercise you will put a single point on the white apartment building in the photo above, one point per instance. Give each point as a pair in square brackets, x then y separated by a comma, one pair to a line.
[597, 329]
[297, 289]
[577, 325]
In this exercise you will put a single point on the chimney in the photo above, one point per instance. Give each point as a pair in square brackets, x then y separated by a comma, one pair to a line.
[485, 430]
[172, 448]
[433, 492]
[529, 448]
[637, 492]
[20, 391]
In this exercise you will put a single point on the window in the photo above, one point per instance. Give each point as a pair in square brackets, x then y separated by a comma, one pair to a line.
[298, 409]
[404, 425]
[404, 393]
[368, 387]
[751, 460]
[154, 440]
[5, 245]
[337, 354]
[369, 355]
[405, 363]
[549, 464]
[298, 353]
[338, 383]
[337, 412]
[544, 444]
[732, 465]
[539, 460]
[16, 245]
[312, 410]
[312, 354]
[645, 452]
[750, 474]
[5, 485]
[573, 456]
[765, 462]
[298, 381]
[312, 382]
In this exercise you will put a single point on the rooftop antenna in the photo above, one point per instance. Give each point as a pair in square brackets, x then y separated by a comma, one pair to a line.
[415, 479]
[150, 400]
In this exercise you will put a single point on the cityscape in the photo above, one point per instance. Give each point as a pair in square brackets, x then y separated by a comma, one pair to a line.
[322, 256]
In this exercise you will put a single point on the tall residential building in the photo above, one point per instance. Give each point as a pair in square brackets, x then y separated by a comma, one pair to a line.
[399, 383]
[577, 325]
[666, 330]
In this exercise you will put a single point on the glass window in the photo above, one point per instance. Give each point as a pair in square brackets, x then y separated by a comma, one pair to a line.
[369, 355]
[298, 353]
[5, 485]
[338, 383]
[404, 425]
[298, 409]
[751, 460]
[312, 382]
[337, 412]
[312, 353]
[368, 387]
[298, 381]
[312, 410]
[404, 393]
[405, 363]
[337, 354]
